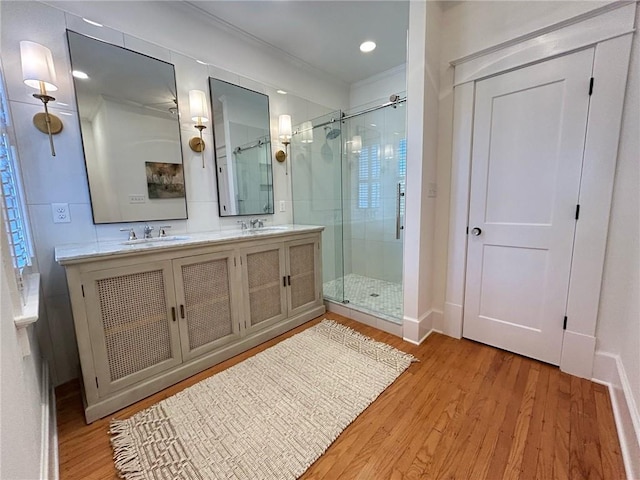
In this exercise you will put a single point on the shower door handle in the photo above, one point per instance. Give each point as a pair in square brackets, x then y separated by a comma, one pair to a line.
[398, 224]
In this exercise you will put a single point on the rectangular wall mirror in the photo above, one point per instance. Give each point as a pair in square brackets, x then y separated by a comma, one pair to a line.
[128, 112]
[243, 149]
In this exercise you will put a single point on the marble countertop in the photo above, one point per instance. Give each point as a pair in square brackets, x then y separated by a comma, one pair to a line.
[73, 253]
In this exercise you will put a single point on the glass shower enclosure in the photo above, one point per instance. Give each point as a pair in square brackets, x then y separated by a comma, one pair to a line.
[348, 174]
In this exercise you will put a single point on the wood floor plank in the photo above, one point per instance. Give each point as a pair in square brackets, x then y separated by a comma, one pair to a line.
[465, 410]
[523, 421]
[563, 428]
[534, 437]
[612, 463]
[546, 453]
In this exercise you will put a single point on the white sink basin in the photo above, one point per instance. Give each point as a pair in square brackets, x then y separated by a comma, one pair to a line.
[146, 241]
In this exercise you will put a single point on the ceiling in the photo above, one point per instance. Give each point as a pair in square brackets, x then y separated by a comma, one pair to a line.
[324, 33]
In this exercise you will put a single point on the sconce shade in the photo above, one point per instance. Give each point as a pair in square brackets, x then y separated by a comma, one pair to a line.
[198, 106]
[356, 144]
[37, 66]
[307, 132]
[284, 127]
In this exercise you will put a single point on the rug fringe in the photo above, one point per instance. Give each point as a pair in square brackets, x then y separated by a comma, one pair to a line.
[125, 454]
[380, 345]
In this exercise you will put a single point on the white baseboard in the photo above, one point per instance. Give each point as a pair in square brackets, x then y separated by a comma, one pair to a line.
[417, 330]
[609, 370]
[49, 432]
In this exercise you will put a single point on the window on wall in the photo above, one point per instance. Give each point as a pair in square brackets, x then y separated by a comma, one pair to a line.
[13, 205]
[369, 177]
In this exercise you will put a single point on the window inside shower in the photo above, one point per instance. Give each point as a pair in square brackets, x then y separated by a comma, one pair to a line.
[349, 175]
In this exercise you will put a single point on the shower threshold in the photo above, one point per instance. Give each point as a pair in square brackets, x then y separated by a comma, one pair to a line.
[372, 296]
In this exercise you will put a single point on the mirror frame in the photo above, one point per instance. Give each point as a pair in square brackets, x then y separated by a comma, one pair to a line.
[215, 151]
[178, 127]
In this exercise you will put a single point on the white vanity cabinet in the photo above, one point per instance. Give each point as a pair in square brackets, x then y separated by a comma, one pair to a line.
[148, 317]
[280, 280]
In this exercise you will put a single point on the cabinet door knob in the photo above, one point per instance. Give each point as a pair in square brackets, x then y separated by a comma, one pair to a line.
[476, 231]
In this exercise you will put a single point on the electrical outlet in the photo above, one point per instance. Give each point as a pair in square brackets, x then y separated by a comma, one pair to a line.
[135, 198]
[60, 212]
[432, 190]
[283, 206]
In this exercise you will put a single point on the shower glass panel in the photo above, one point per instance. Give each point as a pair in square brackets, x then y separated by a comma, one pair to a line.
[349, 175]
[316, 169]
[373, 205]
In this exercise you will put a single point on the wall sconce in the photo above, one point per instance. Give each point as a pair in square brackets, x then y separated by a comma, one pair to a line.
[198, 108]
[284, 133]
[306, 129]
[356, 144]
[39, 72]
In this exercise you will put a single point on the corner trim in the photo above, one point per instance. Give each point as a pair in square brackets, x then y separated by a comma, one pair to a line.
[609, 370]
[412, 327]
[49, 433]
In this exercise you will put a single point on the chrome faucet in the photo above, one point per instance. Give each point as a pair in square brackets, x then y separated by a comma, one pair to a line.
[132, 233]
[161, 230]
[257, 222]
[147, 231]
[243, 224]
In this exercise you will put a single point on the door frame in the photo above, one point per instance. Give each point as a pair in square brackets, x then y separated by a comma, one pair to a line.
[609, 29]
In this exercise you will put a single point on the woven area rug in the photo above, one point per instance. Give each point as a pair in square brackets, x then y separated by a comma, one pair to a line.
[269, 417]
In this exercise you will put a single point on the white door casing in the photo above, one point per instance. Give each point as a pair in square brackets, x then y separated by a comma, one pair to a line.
[528, 144]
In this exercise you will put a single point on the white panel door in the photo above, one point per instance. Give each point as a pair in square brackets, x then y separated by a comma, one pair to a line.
[528, 143]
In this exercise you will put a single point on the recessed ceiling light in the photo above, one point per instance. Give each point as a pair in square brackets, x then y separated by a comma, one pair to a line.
[63, 104]
[373, 124]
[80, 74]
[201, 62]
[65, 113]
[281, 92]
[368, 46]
[91, 22]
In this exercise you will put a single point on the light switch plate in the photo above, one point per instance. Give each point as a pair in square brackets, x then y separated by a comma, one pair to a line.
[60, 212]
[136, 198]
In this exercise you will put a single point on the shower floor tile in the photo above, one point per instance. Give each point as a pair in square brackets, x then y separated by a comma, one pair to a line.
[377, 297]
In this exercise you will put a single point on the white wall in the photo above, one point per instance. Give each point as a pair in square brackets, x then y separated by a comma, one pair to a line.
[423, 85]
[377, 89]
[62, 179]
[20, 395]
[618, 331]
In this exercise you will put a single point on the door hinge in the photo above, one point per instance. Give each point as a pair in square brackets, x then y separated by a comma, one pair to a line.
[577, 211]
[564, 325]
[467, 230]
[97, 383]
[82, 287]
[591, 86]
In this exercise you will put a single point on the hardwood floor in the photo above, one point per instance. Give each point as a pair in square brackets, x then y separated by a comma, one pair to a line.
[465, 410]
